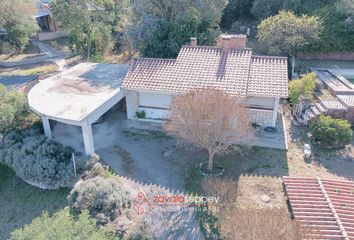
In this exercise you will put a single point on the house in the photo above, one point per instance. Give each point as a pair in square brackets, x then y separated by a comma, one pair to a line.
[48, 26]
[150, 84]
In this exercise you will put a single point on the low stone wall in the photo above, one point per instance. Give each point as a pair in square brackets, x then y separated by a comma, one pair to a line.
[346, 56]
[44, 36]
[34, 60]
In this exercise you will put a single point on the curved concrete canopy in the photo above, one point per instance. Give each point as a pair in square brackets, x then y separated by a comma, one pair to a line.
[78, 93]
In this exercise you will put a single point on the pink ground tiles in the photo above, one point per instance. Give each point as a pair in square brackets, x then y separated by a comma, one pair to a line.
[326, 207]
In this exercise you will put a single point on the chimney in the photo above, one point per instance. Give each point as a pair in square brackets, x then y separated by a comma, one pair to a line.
[232, 41]
[194, 42]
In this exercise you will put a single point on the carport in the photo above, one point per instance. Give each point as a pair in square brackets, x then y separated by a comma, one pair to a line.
[78, 96]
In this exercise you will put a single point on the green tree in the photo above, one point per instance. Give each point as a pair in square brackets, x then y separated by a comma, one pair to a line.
[331, 132]
[170, 36]
[62, 225]
[89, 23]
[14, 110]
[150, 18]
[286, 33]
[264, 8]
[17, 23]
[302, 88]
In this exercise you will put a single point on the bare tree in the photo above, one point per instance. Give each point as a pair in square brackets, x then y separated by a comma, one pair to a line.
[210, 119]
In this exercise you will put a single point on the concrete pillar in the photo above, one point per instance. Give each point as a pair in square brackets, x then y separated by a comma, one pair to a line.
[275, 112]
[132, 99]
[46, 127]
[88, 138]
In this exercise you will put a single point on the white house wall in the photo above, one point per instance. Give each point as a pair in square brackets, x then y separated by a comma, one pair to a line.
[154, 100]
[157, 105]
[260, 102]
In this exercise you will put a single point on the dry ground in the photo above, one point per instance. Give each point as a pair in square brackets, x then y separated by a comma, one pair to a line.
[258, 171]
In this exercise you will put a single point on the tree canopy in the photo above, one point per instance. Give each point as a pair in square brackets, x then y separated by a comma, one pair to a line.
[16, 20]
[62, 225]
[155, 25]
[286, 33]
[89, 23]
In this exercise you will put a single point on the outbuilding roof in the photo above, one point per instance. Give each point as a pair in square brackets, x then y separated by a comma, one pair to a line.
[325, 206]
[236, 71]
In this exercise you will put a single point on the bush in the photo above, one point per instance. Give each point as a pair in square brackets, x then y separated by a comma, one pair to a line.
[302, 88]
[104, 198]
[62, 225]
[332, 132]
[14, 110]
[39, 161]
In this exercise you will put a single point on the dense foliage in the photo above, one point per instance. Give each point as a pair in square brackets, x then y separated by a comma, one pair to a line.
[62, 225]
[90, 24]
[39, 161]
[14, 110]
[302, 88]
[160, 28]
[104, 198]
[286, 33]
[170, 36]
[16, 25]
[331, 132]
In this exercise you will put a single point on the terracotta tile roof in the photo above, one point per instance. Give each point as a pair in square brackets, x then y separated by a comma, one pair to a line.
[325, 206]
[236, 71]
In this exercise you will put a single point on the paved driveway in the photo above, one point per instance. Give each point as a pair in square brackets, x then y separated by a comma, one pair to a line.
[143, 160]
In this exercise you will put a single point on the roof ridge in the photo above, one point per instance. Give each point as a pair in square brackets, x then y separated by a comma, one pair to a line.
[215, 47]
[154, 59]
[333, 210]
[270, 57]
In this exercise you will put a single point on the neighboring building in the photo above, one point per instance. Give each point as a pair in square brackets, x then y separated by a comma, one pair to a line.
[48, 26]
[150, 84]
[324, 207]
[334, 97]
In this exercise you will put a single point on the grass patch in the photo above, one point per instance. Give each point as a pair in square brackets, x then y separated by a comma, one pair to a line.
[31, 71]
[21, 202]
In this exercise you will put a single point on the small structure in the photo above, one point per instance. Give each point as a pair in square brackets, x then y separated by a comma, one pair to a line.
[323, 206]
[46, 22]
[78, 96]
[19, 83]
[151, 83]
[335, 97]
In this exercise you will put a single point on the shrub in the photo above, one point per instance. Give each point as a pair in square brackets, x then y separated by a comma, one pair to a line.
[39, 161]
[104, 198]
[332, 132]
[302, 88]
[62, 225]
[14, 110]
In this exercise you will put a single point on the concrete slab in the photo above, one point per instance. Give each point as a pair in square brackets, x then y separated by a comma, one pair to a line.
[78, 91]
